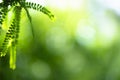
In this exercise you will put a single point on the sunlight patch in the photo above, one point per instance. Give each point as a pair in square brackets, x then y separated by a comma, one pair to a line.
[66, 4]
[85, 34]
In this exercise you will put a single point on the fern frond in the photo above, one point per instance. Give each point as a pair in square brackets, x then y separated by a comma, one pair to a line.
[17, 20]
[15, 38]
[3, 13]
[40, 8]
[8, 39]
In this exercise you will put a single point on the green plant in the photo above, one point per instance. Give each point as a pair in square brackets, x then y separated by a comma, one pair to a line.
[12, 34]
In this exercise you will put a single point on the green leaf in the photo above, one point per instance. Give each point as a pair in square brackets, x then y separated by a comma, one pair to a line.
[40, 8]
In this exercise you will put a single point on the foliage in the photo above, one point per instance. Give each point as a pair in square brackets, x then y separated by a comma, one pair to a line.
[12, 34]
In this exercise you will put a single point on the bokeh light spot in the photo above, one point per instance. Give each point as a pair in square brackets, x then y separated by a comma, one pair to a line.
[40, 70]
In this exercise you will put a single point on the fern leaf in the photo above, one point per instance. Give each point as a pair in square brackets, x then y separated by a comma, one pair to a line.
[40, 8]
[7, 40]
[3, 13]
[17, 18]
[15, 38]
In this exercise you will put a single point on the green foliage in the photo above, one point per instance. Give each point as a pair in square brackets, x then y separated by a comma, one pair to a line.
[39, 7]
[3, 12]
[12, 34]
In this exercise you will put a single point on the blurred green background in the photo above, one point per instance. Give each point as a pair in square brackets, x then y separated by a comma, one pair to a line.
[83, 43]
